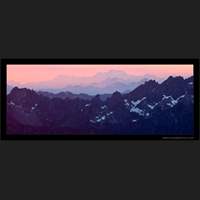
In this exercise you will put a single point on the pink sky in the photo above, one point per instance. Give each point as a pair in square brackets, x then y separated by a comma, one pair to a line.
[35, 73]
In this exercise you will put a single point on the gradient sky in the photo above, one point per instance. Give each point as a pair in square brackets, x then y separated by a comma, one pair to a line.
[36, 73]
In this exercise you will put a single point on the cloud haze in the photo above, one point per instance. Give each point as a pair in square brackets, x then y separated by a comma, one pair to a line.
[37, 73]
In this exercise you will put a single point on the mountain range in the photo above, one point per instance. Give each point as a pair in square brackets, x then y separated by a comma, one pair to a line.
[101, 83]
[151, 108]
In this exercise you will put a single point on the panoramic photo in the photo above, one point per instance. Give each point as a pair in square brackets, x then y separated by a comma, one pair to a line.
[100, 99]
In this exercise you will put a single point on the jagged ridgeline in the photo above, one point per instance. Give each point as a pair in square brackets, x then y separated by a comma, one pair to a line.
[151, 108]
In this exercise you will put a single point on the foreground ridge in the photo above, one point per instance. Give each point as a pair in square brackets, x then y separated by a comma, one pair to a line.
[151, 108]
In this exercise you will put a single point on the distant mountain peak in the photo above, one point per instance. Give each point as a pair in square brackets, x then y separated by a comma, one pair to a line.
[96, 98]
[22, 92]
[151, 82]
[170, 78]
[116, 93]
[116, 96]
[116, 72]
[191, 78]
[112, 74]
[148, 85]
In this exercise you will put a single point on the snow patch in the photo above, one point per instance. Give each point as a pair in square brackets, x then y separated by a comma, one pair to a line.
[110, 113]
[101, 118]
[167, 97]
[134, 120]
[171, 105]
[126, 102]
[33, 108]
[12, 103]
[152, 106]
[182, 96]
[98, 119]
[103, 107]
[137, 110]
[135, 103]
[173, 101]
[86, 105]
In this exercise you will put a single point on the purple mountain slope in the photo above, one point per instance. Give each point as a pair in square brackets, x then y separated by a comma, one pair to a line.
[151, 108]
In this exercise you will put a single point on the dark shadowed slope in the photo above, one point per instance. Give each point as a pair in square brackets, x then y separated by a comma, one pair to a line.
[151, 108]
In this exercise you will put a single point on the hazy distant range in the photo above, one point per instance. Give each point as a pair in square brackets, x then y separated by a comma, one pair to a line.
[101, 83]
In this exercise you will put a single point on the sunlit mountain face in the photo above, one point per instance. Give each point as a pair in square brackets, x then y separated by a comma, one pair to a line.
[112, 102]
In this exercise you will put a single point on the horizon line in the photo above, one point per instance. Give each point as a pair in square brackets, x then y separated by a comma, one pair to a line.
[141, 76]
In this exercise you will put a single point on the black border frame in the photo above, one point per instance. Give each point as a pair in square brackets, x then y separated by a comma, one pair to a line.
[58, 61]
